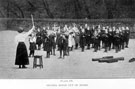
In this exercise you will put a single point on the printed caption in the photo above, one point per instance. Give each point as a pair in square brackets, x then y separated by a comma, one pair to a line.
[67, 83]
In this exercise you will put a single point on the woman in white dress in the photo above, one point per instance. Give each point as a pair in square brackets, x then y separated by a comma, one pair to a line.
[21, 52]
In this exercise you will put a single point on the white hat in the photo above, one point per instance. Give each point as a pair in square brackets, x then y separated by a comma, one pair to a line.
[44, 28]
[110, 29]
[127, 28]
[117, 31]
[123, 28]
[103, 28]
[106, 31]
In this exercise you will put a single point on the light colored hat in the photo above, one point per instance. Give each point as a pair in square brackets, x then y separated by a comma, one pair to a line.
[44, 28]
[123, 28]
[107, 26]
[86, 25]
[106, 31]
[103, 28]
[117, 30]
[127, 28]
[110, 29]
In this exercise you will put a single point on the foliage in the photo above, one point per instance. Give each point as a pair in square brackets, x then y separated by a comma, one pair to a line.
[73, 9]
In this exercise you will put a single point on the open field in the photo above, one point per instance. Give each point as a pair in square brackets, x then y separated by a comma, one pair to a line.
[78, 65]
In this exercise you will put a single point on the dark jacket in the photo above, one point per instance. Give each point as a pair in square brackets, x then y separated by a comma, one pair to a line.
[47, 44]
[62, 43]
[53, 42]
[39, 38]
[82, 39]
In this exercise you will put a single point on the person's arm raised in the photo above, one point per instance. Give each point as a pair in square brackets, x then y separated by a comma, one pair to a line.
[30, 31]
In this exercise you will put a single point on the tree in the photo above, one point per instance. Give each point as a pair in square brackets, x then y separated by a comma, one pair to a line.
[74, 9]
[46, 7]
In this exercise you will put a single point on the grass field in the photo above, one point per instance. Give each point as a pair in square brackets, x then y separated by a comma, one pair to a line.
[78, 65]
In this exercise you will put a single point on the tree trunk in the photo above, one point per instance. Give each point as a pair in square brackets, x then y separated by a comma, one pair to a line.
[19, 8]
[16, 15]
[7, 9]
[86, 9]
[46, 7]
[2, 14]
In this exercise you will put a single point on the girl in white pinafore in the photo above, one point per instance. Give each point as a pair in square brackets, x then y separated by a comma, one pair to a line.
[21, 52]
[71, 41]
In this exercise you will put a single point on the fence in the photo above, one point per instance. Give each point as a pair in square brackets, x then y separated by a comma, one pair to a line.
[14, 23]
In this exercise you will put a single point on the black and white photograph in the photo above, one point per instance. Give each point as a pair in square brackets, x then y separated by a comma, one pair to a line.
[67, 39]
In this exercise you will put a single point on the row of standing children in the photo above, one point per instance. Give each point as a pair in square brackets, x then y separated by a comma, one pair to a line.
[64, 42]
[68, 37]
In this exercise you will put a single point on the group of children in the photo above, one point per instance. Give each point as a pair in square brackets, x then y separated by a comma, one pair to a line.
[67, 37]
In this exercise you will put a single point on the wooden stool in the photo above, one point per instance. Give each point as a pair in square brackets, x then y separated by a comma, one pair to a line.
[40, 61]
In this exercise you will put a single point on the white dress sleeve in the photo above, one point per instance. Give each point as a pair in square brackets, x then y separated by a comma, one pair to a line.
[28, 33]
[22, 36]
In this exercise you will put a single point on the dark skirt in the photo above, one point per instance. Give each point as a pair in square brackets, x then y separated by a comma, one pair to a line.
[53, 45]
[47, 46]
[21, 54]
[39, 41]
[32, 46]
[62, 47]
